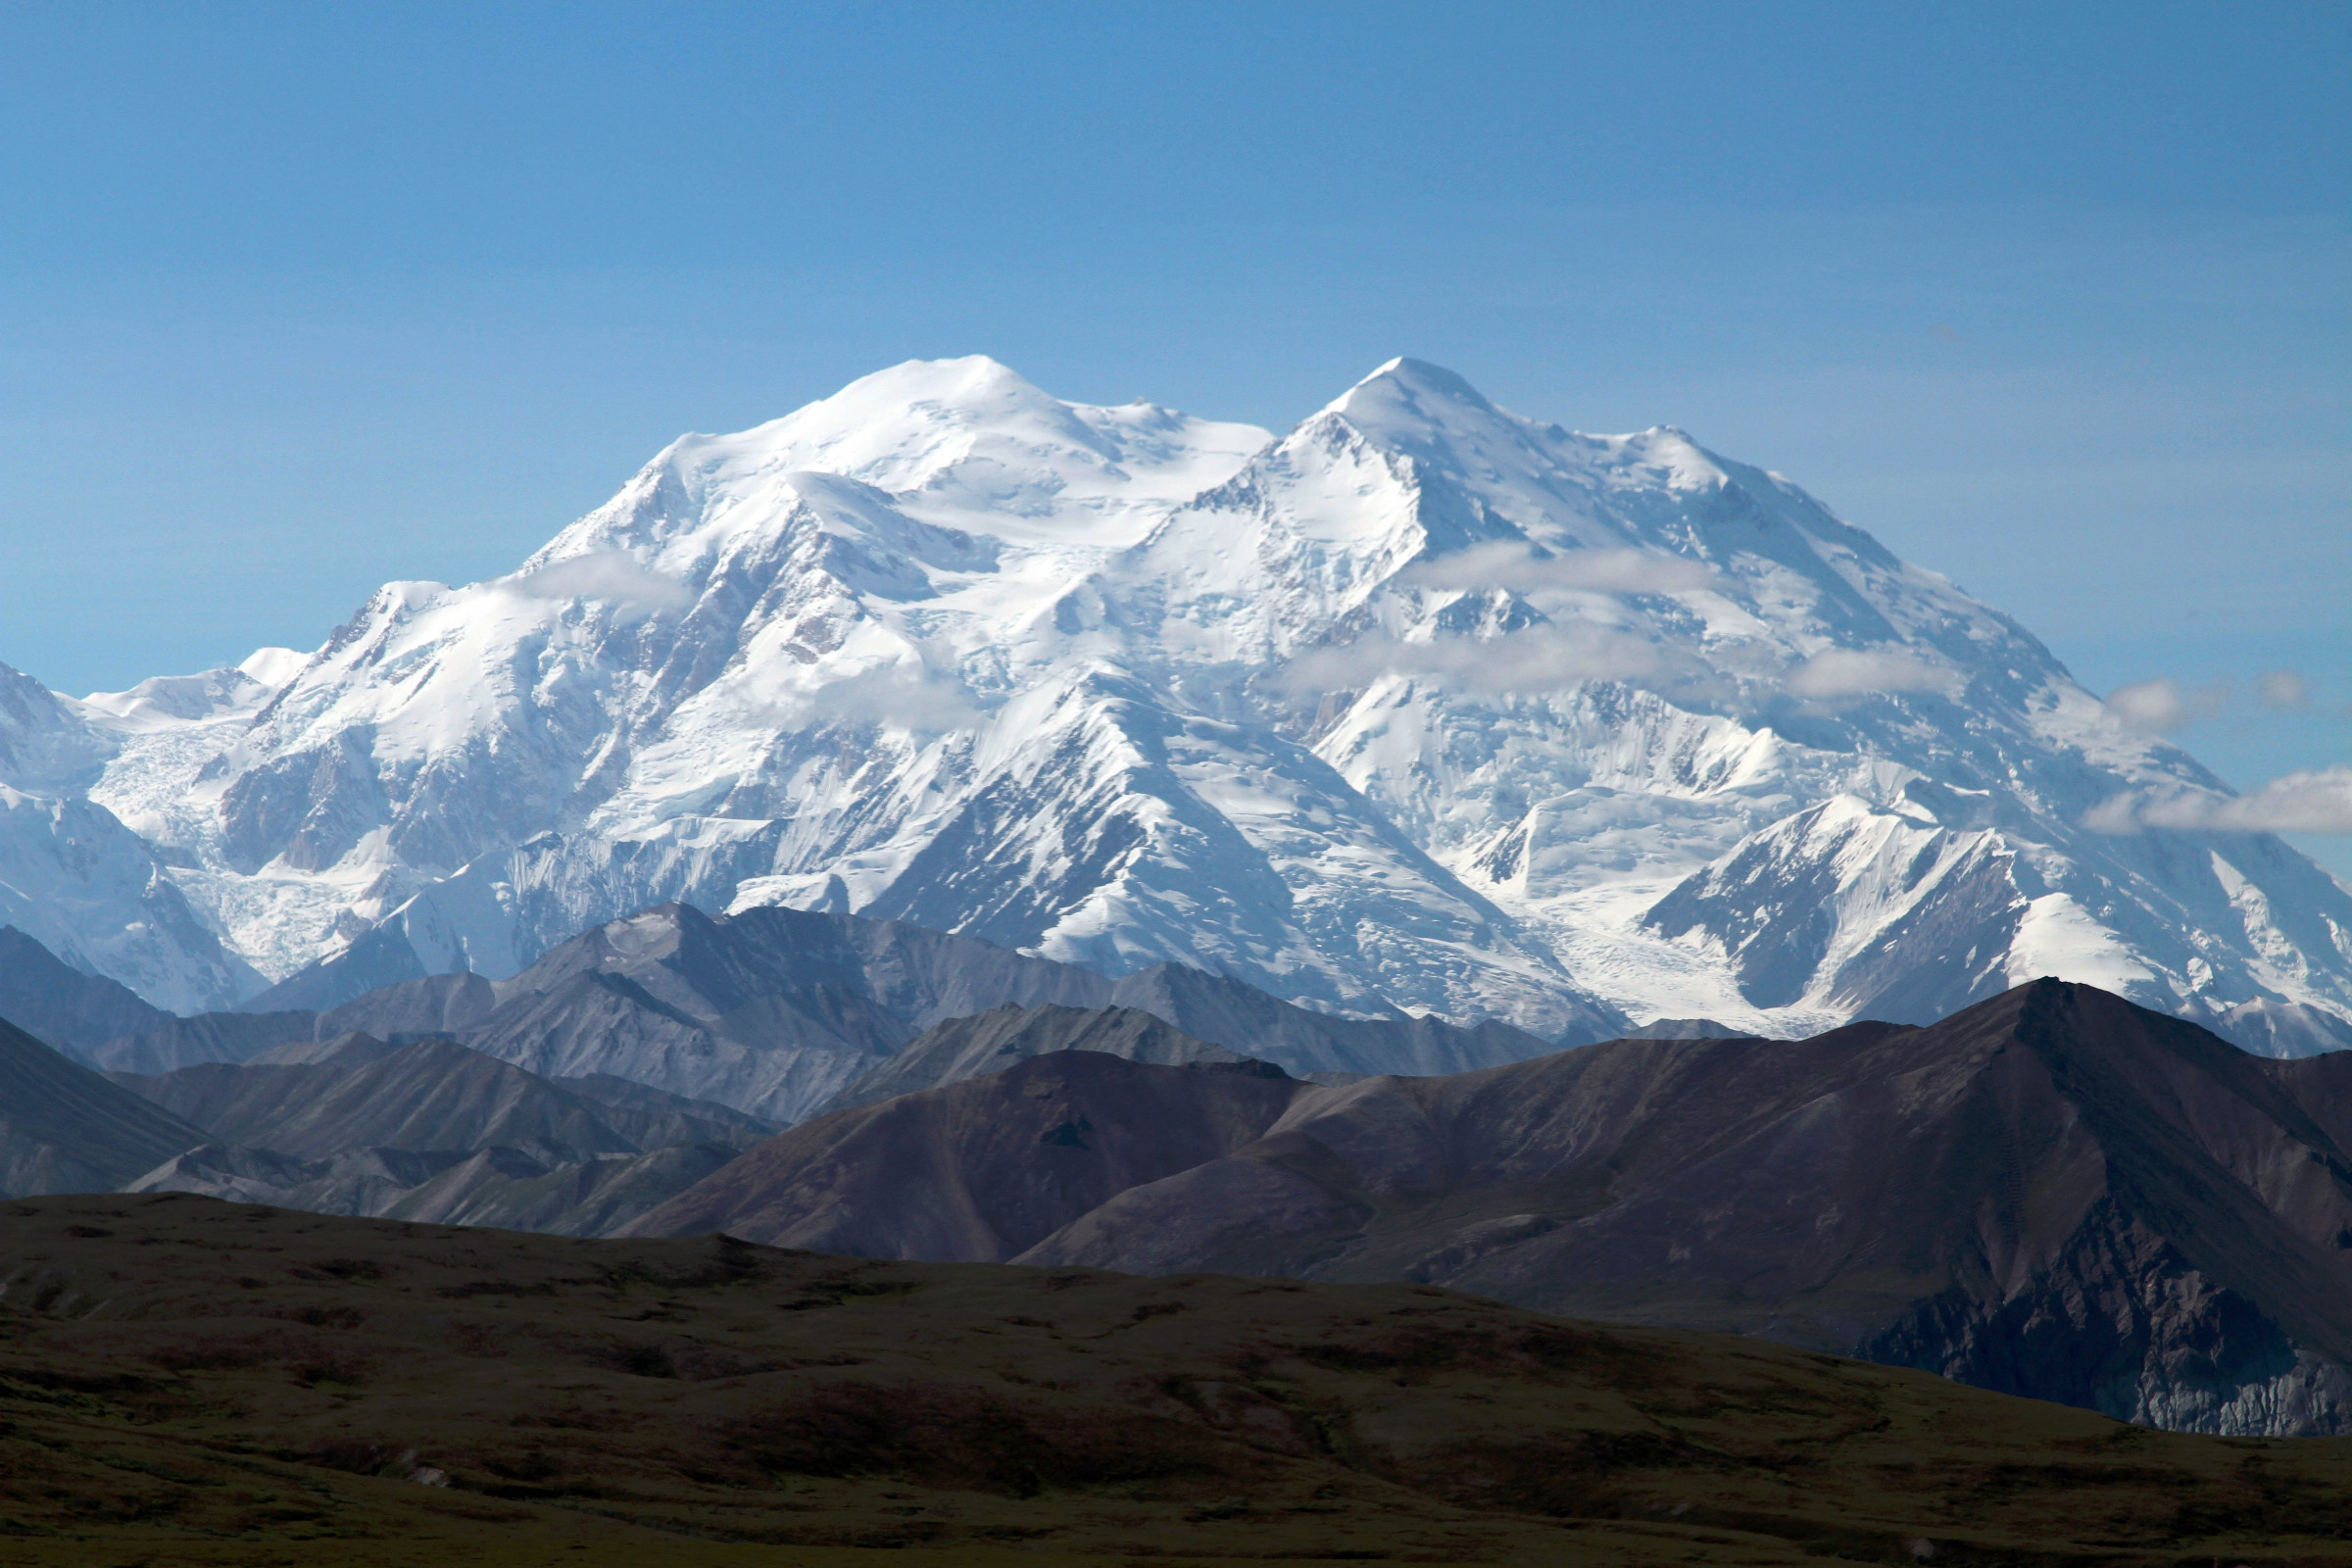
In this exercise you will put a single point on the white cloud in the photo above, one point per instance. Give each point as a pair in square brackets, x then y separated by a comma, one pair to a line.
[888, 694]
[1538, 659]
[2160, 706]
[610, 575]
[2282, 688]
[1504, 564]
[1551, 658]
[2164, 704]
[1861, 671]
[2309, 801]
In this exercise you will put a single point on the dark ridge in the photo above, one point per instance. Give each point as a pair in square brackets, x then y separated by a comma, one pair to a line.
[51, 1000]
[66, 1129]
[775, 1012]
[2052, 1193]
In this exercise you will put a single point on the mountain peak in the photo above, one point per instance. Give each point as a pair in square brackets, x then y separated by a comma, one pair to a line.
[965, 443]
[973, 382]
[1408, 389]
[948, 649]
[904, 411]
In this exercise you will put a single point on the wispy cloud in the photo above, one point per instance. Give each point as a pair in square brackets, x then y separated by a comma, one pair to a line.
[2308, 800]
[1504, 563]
[2282, 688]
[1547, 659]
[1865, 671]
[1540, 659]
[1551, 658]
[911, 698]
[2162, 706]
[610, 575]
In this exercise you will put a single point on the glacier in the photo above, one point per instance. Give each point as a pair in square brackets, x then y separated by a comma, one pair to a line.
[1420, 707]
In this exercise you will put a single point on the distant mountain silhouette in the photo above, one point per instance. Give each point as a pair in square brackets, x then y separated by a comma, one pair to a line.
[776, 1011]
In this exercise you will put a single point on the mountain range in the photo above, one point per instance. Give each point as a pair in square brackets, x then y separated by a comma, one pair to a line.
[432, 1131]
[947, 823]
[2052, 1193]
[776, 1011]
[1421, 708]
[626, 1064]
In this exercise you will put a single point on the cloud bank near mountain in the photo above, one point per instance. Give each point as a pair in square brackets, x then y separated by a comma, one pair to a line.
[1866, 672]
[2164, 704]
[610, 575]
[1520, 568]
[2307, 800]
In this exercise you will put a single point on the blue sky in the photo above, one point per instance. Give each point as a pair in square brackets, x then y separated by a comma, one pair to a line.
[295, 300]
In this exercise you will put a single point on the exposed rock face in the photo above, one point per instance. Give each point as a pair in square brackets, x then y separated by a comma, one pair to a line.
[2053, 1193]
[499, 1186]
[1300, 1041]
[502, 1188]
[358, 1181]
[66, 1129]
[512, 1189]
[652, 1113]
[2125, 1323]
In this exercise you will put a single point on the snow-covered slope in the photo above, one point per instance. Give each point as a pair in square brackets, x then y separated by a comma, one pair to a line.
[1421, 708]
[82, 882]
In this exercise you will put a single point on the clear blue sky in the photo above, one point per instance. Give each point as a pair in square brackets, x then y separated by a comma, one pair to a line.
[2054, 298]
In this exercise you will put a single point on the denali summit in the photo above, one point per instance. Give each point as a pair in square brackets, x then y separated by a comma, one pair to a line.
[1422, 707]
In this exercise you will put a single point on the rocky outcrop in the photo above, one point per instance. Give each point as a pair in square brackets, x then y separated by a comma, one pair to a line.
[2123, 1323]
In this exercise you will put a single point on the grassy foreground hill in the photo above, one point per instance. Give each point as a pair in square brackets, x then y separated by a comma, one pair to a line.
[188, 1381]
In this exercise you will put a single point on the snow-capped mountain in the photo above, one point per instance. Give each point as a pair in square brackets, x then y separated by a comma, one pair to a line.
[80, 881]
[1422, 706]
